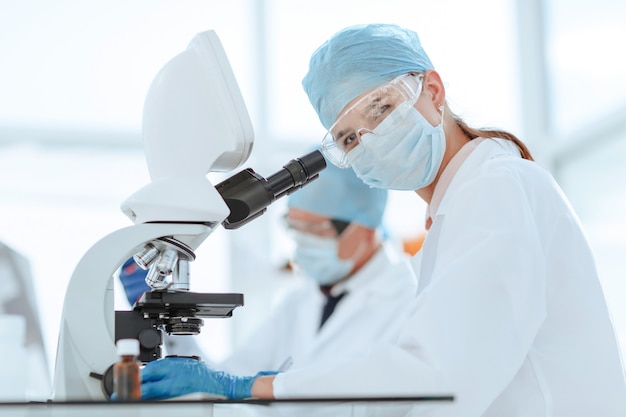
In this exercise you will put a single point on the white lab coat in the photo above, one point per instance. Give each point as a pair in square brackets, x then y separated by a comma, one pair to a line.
[379, 296]
[379, 299]
[510, 317]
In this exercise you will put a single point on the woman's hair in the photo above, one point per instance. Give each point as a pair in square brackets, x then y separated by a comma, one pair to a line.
[492, 133]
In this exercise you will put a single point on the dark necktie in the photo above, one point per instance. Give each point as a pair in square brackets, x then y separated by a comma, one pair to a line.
[329, 307]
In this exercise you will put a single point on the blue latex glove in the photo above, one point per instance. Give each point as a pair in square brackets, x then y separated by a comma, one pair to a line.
[172, 377]
[133, 278]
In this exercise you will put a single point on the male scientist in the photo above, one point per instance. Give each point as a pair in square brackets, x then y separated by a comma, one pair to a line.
[356, 286]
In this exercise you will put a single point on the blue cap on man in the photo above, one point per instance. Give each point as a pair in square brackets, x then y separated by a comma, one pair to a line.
[339, 194]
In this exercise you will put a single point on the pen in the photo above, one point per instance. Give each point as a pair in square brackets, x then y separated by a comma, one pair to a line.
[285, 365]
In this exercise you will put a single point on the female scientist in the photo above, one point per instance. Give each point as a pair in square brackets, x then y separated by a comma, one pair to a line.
[509, 316]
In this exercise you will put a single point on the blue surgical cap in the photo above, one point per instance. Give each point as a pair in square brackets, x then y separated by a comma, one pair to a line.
[339, 194]
[357, 59]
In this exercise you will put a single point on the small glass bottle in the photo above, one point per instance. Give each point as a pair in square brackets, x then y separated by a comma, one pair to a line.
[126, 377]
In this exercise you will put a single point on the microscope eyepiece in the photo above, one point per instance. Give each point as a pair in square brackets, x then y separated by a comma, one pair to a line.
[248, 194]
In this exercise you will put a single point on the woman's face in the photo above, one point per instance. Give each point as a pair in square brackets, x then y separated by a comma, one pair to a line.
[366, 113]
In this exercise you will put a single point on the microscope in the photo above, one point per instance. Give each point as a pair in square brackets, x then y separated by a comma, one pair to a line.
[194, 122]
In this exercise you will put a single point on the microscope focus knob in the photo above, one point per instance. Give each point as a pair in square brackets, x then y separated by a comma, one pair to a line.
[149, 338]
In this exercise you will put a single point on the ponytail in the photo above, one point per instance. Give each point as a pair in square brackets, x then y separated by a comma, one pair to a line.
[493, 133]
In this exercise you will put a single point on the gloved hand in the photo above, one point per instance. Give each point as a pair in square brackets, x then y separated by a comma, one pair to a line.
[133, 278]
[172, 377]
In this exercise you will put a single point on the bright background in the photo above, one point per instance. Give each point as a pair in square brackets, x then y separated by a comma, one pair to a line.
[74, 74]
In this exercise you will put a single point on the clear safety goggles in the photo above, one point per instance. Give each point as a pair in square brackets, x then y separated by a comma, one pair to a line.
[329, 227]
[367, 114]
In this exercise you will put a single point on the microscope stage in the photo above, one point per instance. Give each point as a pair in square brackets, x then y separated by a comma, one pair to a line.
[171, 303]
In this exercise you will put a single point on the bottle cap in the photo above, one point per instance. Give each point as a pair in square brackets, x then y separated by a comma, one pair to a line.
[128, 347]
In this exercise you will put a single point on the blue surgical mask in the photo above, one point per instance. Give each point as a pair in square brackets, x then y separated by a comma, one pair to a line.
[406, 157]
[317, 258]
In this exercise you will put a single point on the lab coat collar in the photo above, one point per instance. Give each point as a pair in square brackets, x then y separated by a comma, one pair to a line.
[471, 157]
[448, 174]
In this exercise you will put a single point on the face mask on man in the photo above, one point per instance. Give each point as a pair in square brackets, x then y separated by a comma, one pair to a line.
[406, 157]
[317, 258]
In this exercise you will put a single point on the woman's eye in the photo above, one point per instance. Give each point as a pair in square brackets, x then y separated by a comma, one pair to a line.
[376, 115]
[382, 110]
[348, 142]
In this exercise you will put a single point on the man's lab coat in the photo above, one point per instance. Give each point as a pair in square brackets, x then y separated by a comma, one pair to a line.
[510, 317]
[378, 300]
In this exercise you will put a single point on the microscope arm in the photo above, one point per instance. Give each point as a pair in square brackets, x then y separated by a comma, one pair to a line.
[86, 339]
